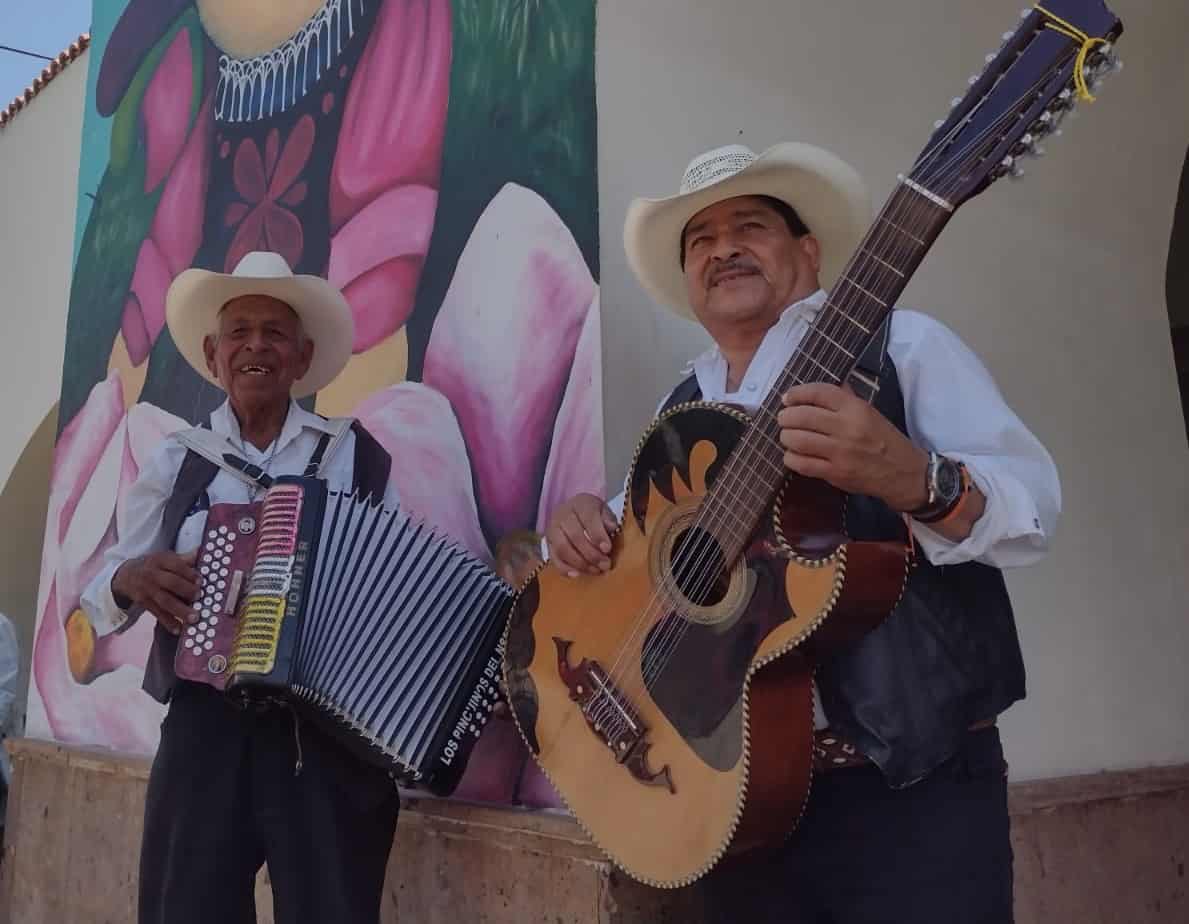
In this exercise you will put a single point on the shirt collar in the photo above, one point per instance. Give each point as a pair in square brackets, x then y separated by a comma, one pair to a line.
[224, 422]
[808, 307]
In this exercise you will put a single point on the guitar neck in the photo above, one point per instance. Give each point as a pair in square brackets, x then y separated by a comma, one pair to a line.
[859, 302]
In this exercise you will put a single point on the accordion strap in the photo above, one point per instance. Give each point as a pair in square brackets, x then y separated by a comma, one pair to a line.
[328, 445]
[218, 451]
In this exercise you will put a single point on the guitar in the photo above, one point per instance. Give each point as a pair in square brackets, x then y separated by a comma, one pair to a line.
[670, 700]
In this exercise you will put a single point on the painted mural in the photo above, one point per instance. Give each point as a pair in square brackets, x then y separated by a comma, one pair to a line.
[435, 159]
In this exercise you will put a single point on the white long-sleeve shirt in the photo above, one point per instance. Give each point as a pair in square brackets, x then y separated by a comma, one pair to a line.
[139, 521]
[952, 406]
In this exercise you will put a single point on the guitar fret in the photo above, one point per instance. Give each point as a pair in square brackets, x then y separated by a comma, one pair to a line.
[902, 231]
[825, 369]
[878, 259]
[849, 318]
[836, 344]
[870, 295]
[762, 465]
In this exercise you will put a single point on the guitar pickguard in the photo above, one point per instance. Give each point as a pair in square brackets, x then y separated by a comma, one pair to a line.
[703, 699]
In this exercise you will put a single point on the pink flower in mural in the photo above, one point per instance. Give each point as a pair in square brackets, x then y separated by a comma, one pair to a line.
[270, 187]
[98, 457]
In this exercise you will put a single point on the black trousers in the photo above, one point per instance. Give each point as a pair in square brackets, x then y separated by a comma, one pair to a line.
[223, 799]
[937, 852]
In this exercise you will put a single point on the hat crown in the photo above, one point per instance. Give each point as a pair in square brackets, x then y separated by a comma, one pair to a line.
[716, 165]
[262, 264]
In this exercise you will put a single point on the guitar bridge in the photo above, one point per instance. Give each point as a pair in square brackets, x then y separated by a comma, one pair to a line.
[610, 716]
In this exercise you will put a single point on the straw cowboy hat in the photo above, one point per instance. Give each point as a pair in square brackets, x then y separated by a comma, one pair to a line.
[826, 192]
[193, 303]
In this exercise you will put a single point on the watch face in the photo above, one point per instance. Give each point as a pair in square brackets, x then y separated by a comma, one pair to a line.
[949, 481]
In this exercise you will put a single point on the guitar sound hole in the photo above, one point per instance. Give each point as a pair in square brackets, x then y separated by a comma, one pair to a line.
[699, 567]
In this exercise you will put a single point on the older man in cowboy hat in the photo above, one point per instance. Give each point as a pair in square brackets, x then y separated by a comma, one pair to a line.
[231, 789]
[907, 819]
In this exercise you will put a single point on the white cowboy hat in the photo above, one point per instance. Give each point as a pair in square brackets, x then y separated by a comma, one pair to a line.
[825, 191]
[193, 303]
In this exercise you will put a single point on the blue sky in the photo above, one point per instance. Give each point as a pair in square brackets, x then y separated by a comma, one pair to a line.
[42, 26]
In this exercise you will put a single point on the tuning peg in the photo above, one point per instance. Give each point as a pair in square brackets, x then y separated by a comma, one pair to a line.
[955, 101]
[938, 124]
[991, 57]
[973, 79]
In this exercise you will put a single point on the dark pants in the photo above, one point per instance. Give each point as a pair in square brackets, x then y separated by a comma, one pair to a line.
[223, 799]
[937, 852]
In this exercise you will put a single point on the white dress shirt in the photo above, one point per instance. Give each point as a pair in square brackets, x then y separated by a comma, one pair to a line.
[139, 518]
[952, 406]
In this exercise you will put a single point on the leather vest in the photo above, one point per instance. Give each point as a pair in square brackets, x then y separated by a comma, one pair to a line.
[372, 465]
[946, 657]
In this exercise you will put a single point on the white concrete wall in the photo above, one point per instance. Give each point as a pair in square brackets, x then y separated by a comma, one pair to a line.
[1057, 281]
[38, 189]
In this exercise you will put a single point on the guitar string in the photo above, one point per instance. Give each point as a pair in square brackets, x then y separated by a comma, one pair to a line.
[833, 329]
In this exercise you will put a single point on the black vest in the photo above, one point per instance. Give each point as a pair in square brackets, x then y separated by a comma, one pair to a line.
[946, 657]
[369, 477]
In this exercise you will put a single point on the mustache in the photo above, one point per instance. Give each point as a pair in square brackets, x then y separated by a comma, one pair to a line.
[734, 265]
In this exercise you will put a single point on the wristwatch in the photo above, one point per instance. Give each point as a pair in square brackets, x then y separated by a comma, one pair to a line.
[946, 482]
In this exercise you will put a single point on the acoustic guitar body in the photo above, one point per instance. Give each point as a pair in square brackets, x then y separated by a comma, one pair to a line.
[670, 700]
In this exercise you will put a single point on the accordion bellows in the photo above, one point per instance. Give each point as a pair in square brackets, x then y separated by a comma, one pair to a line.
[386, 632]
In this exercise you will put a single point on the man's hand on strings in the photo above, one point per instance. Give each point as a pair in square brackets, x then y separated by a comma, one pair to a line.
[579, 536]
[831, 433]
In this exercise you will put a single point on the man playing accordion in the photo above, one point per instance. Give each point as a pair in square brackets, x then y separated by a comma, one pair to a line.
[233, 787]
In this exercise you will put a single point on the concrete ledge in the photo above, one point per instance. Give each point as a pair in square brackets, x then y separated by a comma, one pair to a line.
[1107, 848]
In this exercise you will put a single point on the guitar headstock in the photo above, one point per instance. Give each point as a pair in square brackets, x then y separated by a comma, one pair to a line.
[1056, 56]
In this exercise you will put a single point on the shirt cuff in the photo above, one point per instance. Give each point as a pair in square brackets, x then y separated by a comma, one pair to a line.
[1009, 534]
[101, 608]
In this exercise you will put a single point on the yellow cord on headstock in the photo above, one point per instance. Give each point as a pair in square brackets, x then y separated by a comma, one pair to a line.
[1057, 24]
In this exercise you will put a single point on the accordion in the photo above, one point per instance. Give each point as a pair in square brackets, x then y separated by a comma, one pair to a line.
[385, 633]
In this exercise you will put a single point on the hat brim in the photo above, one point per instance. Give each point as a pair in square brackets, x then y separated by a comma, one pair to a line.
[196, 297]
[826, 192]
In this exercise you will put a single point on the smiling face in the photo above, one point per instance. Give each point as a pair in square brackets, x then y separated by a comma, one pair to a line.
[258, 352]
[743, 264]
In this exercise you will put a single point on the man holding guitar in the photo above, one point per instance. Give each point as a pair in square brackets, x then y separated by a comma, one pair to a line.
[907, 817]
